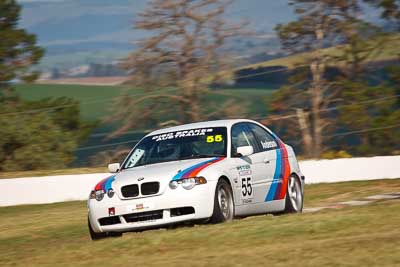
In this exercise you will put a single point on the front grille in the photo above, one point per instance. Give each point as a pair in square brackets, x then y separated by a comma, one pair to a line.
[109, 220]
[181, 211]
[150, 188]
[144, 216]
[131, 190]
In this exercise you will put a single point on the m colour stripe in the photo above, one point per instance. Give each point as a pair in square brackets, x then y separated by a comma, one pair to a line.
[278, 186]
[195, 169]
[285, 172]
[105, 184]
[271, 193]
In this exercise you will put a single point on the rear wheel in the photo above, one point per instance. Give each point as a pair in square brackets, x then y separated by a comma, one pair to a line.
[97, 236]
[223, 203]
[294, 196]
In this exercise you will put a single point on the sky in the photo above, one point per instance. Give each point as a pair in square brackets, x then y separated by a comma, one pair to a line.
[72, 21]
[80, 27]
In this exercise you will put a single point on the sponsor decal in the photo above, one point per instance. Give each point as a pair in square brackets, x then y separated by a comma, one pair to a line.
[268, 144]
[181, 134]
[244, 170]
[139, 206]
[247, 201]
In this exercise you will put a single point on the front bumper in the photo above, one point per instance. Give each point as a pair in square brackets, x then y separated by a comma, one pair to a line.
[152, 211]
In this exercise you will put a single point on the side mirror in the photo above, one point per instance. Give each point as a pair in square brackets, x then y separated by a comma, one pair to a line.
[113, 167]
[245, 150]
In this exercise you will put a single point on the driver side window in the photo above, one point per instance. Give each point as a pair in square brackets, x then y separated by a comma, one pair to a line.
[241, 137]
[265, 139]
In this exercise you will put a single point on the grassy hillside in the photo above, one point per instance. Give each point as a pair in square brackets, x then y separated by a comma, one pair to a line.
[96, 100]
[389, 50]
[96, 103]
[56, 235]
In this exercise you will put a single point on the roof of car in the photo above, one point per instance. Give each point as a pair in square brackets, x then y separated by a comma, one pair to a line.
[196, 125]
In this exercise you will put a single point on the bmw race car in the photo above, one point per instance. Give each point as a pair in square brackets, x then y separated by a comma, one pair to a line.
[209, 171]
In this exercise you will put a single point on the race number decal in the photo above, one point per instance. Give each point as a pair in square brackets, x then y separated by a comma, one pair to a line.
[247, 188]
[217, 138]
[246, 183]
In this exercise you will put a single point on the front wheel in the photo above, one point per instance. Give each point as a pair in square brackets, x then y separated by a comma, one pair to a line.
[294, 196]
[223, 203]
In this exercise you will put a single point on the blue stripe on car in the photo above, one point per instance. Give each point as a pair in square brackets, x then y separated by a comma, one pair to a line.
[181, 173]
[108, 183]
[275, 181]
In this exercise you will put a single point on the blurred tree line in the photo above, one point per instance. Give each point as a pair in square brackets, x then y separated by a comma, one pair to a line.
[185, 53]
[33, 134]
[325, 106]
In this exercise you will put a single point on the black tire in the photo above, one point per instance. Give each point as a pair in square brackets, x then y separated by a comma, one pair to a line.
[97, 236]
[294, 196]
[224, 209]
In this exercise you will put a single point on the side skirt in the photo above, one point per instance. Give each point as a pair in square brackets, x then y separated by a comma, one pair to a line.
[260, 208]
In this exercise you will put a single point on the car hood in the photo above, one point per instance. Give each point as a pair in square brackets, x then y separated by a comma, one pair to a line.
[160, 172]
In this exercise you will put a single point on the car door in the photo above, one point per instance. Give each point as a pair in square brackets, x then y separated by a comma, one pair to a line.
[268, 146]
[249, 170]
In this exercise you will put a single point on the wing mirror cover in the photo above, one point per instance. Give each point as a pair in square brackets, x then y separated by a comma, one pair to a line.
[114, 167]
[245, 150]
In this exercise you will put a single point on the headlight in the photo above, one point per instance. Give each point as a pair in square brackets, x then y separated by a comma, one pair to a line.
[99, 194]
[173, 184]
[110, 193]
[187, 183]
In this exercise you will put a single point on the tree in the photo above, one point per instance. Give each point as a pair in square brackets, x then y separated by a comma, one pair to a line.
[365, 105]
[333, 85]
[175, 65]
[37, 134]
[18, 50]
[390, 9]
[65, 113]
[366, 108]
[317, 84]
[315, 28]
[40, 134]
[391, 12]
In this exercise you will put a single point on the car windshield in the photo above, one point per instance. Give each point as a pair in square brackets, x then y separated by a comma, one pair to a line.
[179, 145]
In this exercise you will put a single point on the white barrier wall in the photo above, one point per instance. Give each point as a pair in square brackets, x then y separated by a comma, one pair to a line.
[61, 188]
[352, 169]
[47, 189]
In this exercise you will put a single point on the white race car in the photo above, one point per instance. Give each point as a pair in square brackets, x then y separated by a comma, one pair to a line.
[209, 171]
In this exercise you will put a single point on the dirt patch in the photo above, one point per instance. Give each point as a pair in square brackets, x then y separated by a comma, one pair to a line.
[106, 81]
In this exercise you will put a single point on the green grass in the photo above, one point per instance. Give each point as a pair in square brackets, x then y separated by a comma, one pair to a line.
[96, 101]
[56, 235]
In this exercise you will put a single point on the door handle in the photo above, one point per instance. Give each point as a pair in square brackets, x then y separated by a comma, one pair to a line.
[266, 161]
